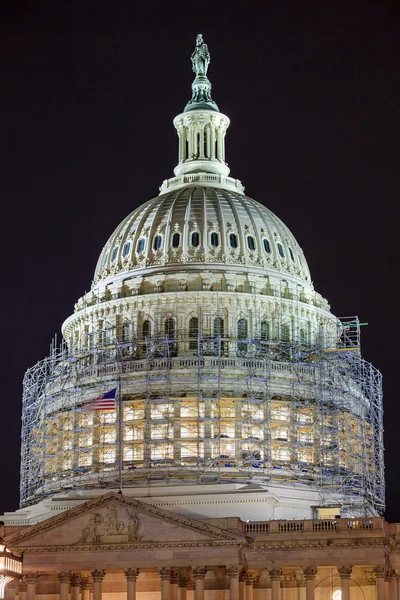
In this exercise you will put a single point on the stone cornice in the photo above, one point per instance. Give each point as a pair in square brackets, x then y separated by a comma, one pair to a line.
[129, 547]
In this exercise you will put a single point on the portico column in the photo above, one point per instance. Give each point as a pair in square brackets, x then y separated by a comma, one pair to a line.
[275, 575]
[97, 576]
[256, 587]
[131, 575]
[233, 574]
[165, 574]
[174, 580]
[11, 589]
[388, 580]
[380, 582]
[75, 581]
[249, 586]
[31, 582]
[242, 584]
[394, 587]
[182, 585]
[22, 589]
[345, 574]
[86, 586]
[309, 576]
[198, 575]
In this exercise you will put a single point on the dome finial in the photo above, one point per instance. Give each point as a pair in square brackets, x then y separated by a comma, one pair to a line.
[201, 86]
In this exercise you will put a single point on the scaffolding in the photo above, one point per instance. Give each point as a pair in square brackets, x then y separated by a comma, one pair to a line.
[228, 398]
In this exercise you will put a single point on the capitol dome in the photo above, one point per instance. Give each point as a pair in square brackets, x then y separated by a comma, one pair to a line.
[202, 361]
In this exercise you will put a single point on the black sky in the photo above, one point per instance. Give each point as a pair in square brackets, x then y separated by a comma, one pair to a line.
[88, 93]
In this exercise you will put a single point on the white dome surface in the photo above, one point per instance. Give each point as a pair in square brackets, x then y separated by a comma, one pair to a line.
[175, 231]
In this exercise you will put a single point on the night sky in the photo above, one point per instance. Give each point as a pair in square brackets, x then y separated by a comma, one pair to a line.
[88, 93]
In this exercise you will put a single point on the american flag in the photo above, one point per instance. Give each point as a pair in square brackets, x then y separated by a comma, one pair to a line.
[104, 402]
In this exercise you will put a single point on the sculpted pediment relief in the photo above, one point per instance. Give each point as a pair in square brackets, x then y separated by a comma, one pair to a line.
[113, 520]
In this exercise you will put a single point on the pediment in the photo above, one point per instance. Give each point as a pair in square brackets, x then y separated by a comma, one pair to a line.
[114, 520]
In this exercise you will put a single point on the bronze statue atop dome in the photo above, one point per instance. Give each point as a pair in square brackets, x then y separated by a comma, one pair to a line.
[200, 57]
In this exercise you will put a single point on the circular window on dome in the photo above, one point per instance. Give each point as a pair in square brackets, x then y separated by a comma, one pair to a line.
[233, 240]
[114, 254]
[214, 241]
[176, 240]
[195, 239]
[157, 242]
[141, 244]
[250, 242]
[126, 249]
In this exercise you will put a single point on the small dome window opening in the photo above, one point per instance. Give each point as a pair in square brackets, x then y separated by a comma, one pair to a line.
[126, 249]
[291, 254]
[114, 254]
[141, 244]
[233, 240]
[280, 250]
[214, 239]
[157, 242]
[195, 239]
[105, 260]
[176, 240]
[267, 247]
[250, 242]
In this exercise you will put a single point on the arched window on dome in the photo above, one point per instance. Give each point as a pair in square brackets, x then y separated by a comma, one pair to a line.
[250, 243]
[157, 242]
[280, 250]
[285, 333]
[195, 239]
[264, 331]
[193, 333]
[141, 245]
[126, 249]
[233, 240]
[114, 253]
[267, 247]
[105, 260]
[176, 240]
[169, 328]
[242, 334]
[214, 239]
[291, 254]
[146, 329]
[218, 333]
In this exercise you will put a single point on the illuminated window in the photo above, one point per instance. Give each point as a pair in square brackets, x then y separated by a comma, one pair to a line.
[280, 250]
[337, 595]
[250, 242]
[267, 247]
[141, 244]
[114, 254]
[105, 260]
[126, 249]
[176, 239]
[157, 242]
[233, 240]
[214, 240]
[195, 239]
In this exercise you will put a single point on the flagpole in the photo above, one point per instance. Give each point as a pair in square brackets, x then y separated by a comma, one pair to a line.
[120, 432]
